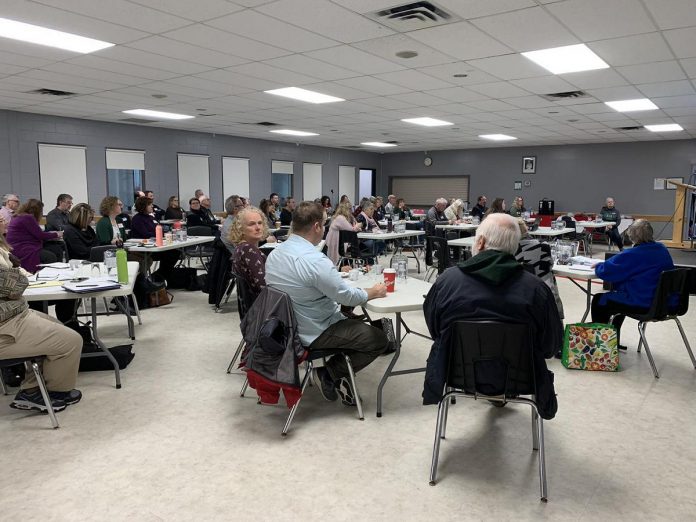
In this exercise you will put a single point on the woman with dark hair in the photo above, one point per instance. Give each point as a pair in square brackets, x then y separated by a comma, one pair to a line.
[497, 207]
[79, 235]
[174, 210]
[268, 210]
[109, 230]
[401, 210]
[26, 237]
[326, 203]
[143, 227]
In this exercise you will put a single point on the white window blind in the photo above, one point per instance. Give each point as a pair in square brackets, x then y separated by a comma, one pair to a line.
[424, 190]
[282, 167]
[346, 182]
[311, 181]
[193, 174]
[63, 170]
[118, 159]
[235, 177]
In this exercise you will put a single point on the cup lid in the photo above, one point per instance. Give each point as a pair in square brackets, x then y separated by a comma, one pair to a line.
[390, 270]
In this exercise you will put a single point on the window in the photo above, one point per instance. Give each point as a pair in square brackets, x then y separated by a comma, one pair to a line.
[125, 174]
[281, 178]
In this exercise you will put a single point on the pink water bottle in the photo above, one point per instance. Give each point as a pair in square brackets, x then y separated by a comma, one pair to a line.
[158, 235]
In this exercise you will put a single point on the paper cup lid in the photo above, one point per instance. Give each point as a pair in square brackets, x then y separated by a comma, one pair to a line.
[390, 270]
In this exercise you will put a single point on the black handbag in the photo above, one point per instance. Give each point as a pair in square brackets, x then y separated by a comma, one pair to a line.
[184, 278]
[144, 287]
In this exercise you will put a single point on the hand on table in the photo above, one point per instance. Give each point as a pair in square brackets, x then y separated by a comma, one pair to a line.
[376, 291]
[345, 268]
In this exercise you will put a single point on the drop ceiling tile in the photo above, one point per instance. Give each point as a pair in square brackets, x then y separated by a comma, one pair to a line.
[9, 70]
[37, 79]
[689, 65]
[264, 28]
[490, 105]
[274, 74]
[104, 64]
[526, 30]
[374, 85]
[147, 59]
[197, 11]
[447, 71]
[682, 41]
[499, 90]
[652, 72]
[598, 19]
[299, 63]
[414, 80]
[78, 71]
[355, 60]
[632, 50]
[458, 109]
[170, 88]
[62, 20]
[388, 46]
[661, 89]
[479, 8]
[676, 101]
[325, 18]
[509, 67]
[208, 85]
[615, 93]
[231, 77]
[458, 94]
[544, 85]
[595, 79]
[342, 91]
[529, 102]
[680, 111]
[671, 14]
[184, 51]
[592, 108]
[215, 39]
[22, 60]
[460, 40]
[419, 99]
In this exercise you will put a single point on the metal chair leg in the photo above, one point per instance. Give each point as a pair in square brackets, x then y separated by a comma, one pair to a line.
[542, 462]
[291, 415]
[641, 331]
[436, 444]
[244, 387]
[34, 366]
[535, 430]
[2, 385]
[353, 384]
[236, 354]
[445, 416]
[686, 341]
[137, 310]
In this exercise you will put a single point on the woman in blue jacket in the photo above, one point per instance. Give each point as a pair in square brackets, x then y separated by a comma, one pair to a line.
[634, 275]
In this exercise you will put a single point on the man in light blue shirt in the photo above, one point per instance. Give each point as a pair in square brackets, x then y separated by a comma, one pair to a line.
[316, 290]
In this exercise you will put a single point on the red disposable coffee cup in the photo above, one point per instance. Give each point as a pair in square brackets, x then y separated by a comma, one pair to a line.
[389, 278]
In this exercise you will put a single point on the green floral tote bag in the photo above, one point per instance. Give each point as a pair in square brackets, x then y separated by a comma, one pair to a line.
[591, 346]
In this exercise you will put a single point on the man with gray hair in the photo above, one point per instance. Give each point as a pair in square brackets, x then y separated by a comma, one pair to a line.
[10, 205]
[493, 286]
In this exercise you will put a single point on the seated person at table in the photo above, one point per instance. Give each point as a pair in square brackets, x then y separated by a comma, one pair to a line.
[374, 246]
[79, 236]
[455, 211]
[316, 289]
[480, 208]
[611, 214]
[209, 217]
[497, 207]
[436, 216]
[197, 216]
[144, 228]
[402, 211]
[390, 207]
[325, 203]
[9, 208]
[268, 211]
[493, 286]
[634, 274]
[156, 211]
[379, 214]
[288, 209]
[174, 211]
[233, 205]
[27, 238]
[247, 231]
[57, 218]
[517, 209]
[25, 332]
[109, 230]
[342, 220]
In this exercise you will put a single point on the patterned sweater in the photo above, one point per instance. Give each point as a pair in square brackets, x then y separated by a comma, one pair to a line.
[12, 284]
[250, 263]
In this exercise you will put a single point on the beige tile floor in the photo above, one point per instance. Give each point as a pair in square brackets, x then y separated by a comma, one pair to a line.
[178, 443]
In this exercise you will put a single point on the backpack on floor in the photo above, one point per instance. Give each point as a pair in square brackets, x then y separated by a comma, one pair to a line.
[123, 355]
[591, 346]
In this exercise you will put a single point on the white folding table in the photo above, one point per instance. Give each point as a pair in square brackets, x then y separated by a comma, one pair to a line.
[462, 242]
[130, 246]
[37, 292]
[578, 274]
[550, 232]
[407, 297]
[463, 227]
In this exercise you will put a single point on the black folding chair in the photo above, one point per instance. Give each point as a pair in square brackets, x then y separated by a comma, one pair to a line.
[581, 237]
[203, 252]
[442, 260]
[491, 361]
[349, 248]
[245, 299]
[32, 365]
[672, 282]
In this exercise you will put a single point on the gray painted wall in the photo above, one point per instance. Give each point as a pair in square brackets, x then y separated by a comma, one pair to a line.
[577, 177]
[21, 132]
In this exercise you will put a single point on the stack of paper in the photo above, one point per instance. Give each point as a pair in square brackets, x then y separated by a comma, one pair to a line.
[584, 261]
[90, 285]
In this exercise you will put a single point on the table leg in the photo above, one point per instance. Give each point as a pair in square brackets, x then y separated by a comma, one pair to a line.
[101, 345]
[589, 300]
[391, 365]
[125, 308]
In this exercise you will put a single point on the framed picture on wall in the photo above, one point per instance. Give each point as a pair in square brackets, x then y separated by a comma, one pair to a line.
[669, 186]
[529, 165]
[518, 185]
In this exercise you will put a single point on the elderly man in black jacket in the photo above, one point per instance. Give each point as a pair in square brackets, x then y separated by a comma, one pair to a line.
[493, 286]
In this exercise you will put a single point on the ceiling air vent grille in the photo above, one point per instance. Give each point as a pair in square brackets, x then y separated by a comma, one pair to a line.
[556, 96]
[412, 16]
[632, 128]
[52, 92]
[267, 124]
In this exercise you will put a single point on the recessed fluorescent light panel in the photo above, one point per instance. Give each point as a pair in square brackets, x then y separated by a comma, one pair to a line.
[291, 132]
[567, 59]
[640, 104]
[665, 127]
[378, 144]
[158, 115]
[497, 137]
[50, 37]
[304, 95]
[428, 122]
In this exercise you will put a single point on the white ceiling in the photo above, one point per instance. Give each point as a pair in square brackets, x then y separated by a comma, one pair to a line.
[214, 59]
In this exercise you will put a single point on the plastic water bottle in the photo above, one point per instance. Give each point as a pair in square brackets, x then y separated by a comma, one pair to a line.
[390, 225]
[122, 266]
[110, 261]
[159, 236]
